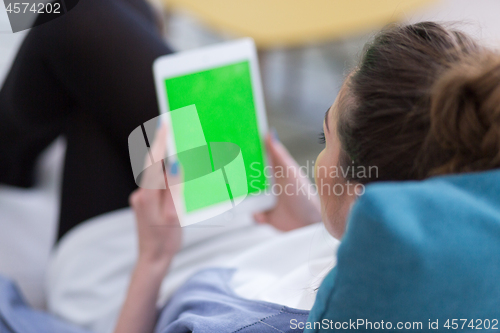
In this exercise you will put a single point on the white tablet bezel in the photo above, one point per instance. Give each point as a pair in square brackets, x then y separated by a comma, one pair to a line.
[206, 58]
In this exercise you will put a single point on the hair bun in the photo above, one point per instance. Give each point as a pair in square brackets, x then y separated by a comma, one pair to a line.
[465, 116]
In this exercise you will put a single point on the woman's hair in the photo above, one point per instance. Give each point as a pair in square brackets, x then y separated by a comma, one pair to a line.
[424, 101]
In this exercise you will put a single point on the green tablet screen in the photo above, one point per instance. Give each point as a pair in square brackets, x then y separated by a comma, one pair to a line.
[224, 102]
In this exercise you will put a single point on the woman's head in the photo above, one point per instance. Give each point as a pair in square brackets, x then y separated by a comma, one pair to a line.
[424, 101]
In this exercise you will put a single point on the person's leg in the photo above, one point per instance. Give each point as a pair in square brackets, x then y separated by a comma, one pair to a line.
[88, 75]
[96, 177]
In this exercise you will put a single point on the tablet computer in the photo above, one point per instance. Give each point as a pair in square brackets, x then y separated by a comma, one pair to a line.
[213, 103]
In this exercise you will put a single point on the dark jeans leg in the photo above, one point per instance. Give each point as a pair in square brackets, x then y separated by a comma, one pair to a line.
[86, 75]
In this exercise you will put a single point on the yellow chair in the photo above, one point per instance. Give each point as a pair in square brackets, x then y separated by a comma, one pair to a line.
[295, 22]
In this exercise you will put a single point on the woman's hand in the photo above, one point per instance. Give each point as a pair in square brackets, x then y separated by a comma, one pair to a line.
[298, 205]
[158, 228]
[159, 235]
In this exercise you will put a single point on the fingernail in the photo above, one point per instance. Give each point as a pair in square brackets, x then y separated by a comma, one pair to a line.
[274, 134]
[174, 168]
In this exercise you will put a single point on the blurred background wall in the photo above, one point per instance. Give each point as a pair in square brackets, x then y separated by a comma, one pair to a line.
[301, 76]
[302, 80]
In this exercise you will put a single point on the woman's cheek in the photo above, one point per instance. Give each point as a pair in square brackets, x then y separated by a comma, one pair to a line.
[321, 176]
[324, 184]
[319, 163]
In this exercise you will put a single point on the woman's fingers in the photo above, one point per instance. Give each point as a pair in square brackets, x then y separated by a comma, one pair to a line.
[275, 154]
[154, 175]
[279, 154]
[159, 146]
[173, 192]
[281, 158]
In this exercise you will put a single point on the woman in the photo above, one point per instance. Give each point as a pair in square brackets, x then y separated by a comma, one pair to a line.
[422, 102]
